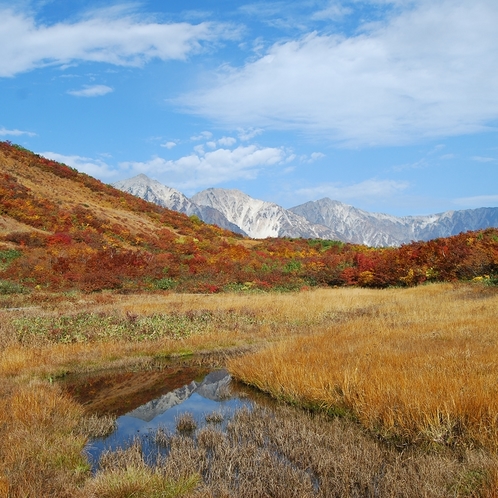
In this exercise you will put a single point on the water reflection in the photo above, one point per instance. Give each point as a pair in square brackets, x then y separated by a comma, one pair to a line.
[212, 394]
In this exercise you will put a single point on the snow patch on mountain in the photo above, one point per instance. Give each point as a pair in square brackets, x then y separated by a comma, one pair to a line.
[377, 229]
[153, 191]
[322, 219]
[260, 219]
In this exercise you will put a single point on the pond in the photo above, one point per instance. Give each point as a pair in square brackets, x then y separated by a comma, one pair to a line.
[207, 401]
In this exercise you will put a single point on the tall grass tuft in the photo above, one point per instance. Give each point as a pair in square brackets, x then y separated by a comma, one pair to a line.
[420, 366]
[41, 452]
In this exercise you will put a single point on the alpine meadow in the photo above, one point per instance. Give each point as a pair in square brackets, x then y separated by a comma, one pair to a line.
[375, 368]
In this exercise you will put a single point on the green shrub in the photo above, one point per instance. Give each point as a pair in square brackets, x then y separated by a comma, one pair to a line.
[7, 256]
[164, 283]
[7, 287]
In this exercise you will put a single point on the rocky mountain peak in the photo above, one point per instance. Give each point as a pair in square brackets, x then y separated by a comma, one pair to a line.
[324, 218]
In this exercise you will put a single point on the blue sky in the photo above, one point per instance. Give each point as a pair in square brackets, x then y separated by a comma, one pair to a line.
[388, 105]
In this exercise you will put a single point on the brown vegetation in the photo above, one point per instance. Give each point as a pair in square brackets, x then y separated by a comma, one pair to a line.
[411, 374]
[284, 452]
[413, 366]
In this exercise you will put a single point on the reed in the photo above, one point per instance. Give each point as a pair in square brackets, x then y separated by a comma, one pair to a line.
[284, 452]
[42, 450]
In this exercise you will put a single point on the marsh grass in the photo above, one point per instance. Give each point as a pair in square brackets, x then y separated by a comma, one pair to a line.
[98, 426]
[414, 368]
[418, 367]
[54, 339]
[284, 452]
[185, 423]
[42, 451]
[214, 418]
[124, 474]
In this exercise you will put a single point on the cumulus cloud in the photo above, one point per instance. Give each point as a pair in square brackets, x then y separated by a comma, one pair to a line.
[91, 91]
[206, 169]
[227, 141]
[169, 145]
[4, 132]
[429, 70]
[367, 189]
[113, 36]
[93, 167]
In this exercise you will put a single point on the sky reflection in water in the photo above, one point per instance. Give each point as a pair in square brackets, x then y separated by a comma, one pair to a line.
[210, 395]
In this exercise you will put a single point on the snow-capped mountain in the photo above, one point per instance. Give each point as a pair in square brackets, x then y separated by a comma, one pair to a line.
[151, 190]
[260, 219]
[376, 229]
[322, 219]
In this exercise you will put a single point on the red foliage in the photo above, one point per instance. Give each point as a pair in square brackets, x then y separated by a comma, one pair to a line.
[78, 248]
[59, 238]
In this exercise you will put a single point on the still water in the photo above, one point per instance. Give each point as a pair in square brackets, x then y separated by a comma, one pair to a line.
[212, 394]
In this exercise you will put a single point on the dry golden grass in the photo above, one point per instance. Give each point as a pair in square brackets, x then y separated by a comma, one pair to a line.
[415, 365]
[283, 452]
[258, 319]
[49, 186]
[41, 452]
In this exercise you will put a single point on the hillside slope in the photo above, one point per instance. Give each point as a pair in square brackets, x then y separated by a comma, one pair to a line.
[64, 230]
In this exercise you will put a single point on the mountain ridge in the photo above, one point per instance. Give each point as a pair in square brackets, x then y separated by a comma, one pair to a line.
[322, 219]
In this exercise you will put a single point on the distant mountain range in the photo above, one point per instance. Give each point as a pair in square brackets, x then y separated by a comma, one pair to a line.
[324, 219]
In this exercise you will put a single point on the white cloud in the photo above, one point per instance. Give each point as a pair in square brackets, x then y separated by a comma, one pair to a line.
[93, 167]
[249, 133]
[315, 156]
[227, 141]
[481, 159]
[113, 36]
[333, 11]
[367, 189]
[478, 201]
[91, 91]
[206, 169]
[204, 135]
[15, 133]
[431, 70]
[169, 145]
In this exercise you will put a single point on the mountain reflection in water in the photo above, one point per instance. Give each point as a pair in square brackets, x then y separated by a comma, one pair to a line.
[199, 399]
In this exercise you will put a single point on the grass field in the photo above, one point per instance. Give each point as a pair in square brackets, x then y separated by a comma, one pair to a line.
[411, 373]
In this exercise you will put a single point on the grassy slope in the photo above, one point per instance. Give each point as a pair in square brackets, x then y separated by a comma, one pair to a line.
[67, 189]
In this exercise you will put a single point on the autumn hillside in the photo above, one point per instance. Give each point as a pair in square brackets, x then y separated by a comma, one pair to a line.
[62, 230]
